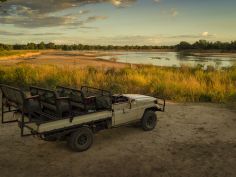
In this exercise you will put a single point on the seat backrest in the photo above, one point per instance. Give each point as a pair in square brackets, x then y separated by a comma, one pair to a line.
[74, 94]
[45, 95]
[12, 95]
[50, 101]
[103, 97]
[103, 102]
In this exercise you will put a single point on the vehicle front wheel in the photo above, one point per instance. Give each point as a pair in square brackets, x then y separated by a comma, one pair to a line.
[149, 121]
[81, 140]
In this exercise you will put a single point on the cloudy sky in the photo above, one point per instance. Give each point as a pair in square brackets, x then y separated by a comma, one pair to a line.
[117, 22]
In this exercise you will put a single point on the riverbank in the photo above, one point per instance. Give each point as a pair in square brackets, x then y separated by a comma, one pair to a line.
[78, 59]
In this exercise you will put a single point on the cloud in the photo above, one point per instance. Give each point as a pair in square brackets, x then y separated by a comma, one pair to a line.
[84, 11]
[47, 21]
[34, 22]
[185, 36]
[50, 6]
[95, 18]
[158, 1]
[116, 2]
[122, 3]
[45, 13]
[9, 33]
[205, 34]
[89, 27]
[45, 34]
[174, 12]
[192, 36]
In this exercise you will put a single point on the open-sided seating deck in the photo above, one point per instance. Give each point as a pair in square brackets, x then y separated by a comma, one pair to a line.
[44, 105]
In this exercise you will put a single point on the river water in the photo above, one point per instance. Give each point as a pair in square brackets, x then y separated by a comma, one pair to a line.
[173, 58]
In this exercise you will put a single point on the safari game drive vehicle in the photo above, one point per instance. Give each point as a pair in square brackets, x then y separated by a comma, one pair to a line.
[75, 115]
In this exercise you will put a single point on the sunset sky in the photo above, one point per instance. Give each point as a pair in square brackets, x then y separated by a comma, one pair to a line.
[117, 22]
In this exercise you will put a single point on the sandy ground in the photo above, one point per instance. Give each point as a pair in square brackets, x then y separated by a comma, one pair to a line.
[67, 58]
[191, 140]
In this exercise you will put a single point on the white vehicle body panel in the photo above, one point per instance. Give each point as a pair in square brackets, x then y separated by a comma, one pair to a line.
[65, 123]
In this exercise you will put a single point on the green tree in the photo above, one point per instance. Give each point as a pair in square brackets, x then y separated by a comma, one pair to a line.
[41, 45]
[184, 45]
[201, 44]
[50, 45]
[31, 46]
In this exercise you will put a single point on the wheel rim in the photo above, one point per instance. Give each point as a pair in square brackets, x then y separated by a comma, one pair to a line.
[82, 139]
[151, 121]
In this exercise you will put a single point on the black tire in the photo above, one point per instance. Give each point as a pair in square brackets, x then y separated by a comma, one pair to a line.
[149, 120]
[81, 140]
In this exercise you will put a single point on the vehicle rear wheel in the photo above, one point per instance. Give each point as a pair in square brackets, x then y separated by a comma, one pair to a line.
[149, 121]
[81, 140]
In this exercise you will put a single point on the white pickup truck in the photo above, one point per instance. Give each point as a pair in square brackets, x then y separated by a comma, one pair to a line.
[78, 128]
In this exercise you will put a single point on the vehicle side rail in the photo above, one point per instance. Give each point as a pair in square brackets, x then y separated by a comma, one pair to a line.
[87, 89]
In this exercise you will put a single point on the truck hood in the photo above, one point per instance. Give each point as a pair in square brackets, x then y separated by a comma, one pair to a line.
[138, 97]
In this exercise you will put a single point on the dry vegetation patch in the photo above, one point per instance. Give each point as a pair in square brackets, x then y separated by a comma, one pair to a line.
[178, 84]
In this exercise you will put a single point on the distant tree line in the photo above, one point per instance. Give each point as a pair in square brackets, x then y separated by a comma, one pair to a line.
[43, 46]
[206, 45]
[199, 45]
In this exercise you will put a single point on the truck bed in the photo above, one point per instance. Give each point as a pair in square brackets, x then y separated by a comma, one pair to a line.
[67, 123]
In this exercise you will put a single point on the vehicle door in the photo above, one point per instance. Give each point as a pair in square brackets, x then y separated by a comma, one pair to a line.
[124, 113]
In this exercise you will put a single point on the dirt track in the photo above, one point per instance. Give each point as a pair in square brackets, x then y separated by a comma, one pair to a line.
[191, 140]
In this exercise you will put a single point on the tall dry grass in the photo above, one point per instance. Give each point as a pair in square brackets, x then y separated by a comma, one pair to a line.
[178, 84]
[7, 53]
